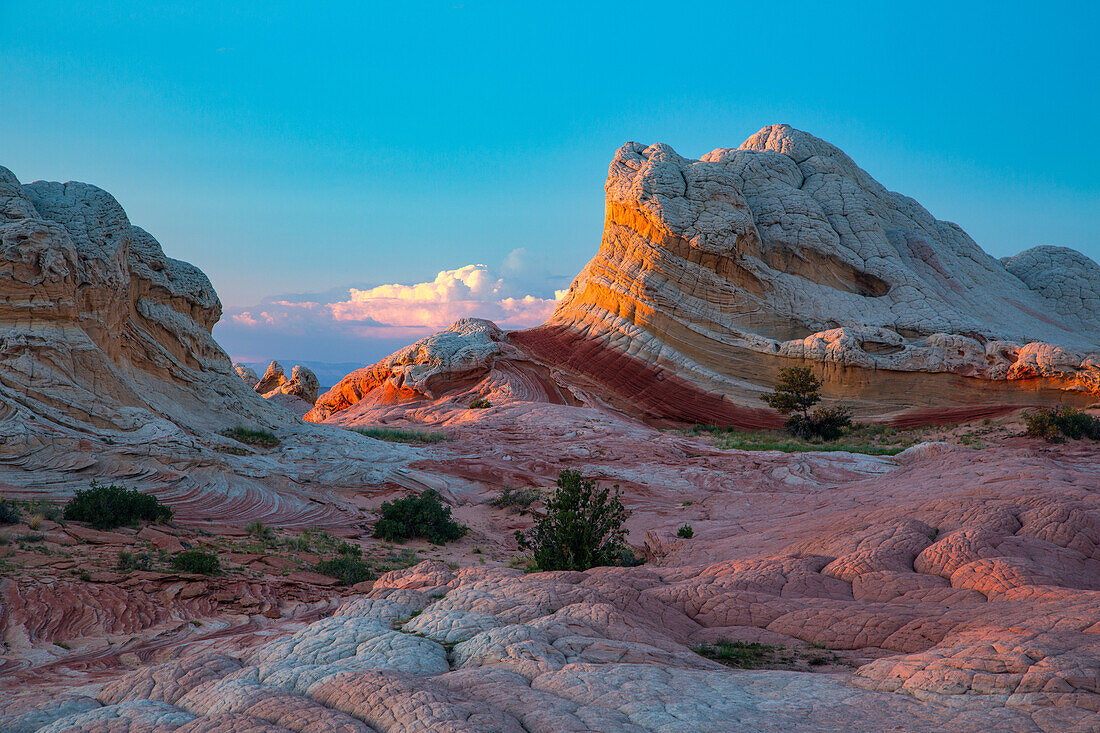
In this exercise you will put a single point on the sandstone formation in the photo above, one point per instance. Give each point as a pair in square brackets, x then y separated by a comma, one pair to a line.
[946, 588]
[108, 370]
[298, 394]
[247, 374]
[714, 273]
[472, 359]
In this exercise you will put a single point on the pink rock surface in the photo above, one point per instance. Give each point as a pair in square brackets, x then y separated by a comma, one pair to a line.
[957, 589]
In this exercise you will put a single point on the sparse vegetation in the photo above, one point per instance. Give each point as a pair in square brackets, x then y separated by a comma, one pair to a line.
[752, 655]
[878, 440]
[582, 528]
[686, 532]
[128, 561]
[1055, 426]
[518, 501]
[9, 512]
[418, 516]
[397, 435]
[196, 561]
[740, 654]
[107, 507]
[796, 391]
[45, 509]
[480, 404]
[258, 438]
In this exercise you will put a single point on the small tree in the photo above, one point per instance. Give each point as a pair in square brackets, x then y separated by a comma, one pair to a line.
[582, 529]
[796, 391]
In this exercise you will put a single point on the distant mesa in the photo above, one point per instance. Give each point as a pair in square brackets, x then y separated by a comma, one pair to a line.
[715, 273]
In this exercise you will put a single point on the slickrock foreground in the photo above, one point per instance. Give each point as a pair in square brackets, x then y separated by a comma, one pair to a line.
[946, 588]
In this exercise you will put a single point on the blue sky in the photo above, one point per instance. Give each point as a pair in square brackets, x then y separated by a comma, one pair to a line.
[294, 151]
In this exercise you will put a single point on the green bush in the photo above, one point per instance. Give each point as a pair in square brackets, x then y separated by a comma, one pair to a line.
[827, 423]
[107, 507]
[582, 529]
[1056, 425]
[686, 532]
[258, 438]
[9, 512]
[196, 561]
[347, 567]
[260, 532]
[418, 516]
[480, 404]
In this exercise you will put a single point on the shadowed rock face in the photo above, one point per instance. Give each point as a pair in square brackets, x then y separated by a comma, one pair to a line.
[108, 370]
[715, 273]
[99, 329]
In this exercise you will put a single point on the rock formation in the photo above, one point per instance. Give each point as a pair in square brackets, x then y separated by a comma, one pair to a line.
[108, 369]
[298, 394]
[472, 359]
[247, 374]
[715, 273]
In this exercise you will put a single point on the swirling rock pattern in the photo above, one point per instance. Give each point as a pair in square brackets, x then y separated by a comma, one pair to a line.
[956, 588]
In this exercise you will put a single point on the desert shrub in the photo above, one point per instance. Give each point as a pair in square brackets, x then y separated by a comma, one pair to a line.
[131, 561]
[480, 404]
[347, 567]
[196, 561]
[686, 532]
[396, 435]
[1056, 425]
[45, 509]
[9, 512]
[827, 423]
[107, 507]
[582, 528]
[258, 438]
[260, 532]
[516, 500]
[418, 516]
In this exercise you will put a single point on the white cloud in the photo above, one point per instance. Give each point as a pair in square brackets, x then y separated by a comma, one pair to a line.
[397, 310]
